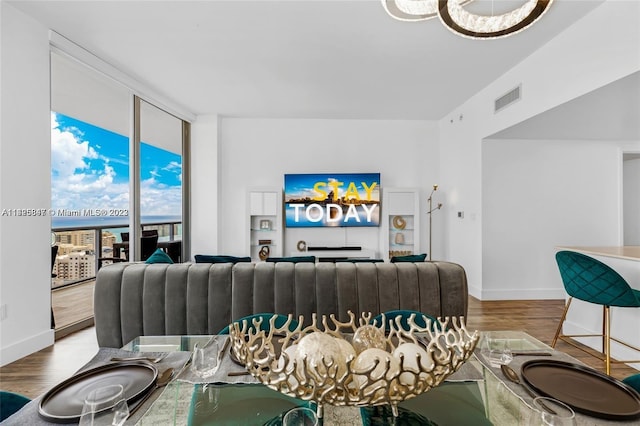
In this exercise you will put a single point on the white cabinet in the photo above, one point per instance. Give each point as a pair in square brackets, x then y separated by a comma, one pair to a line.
[401, 221]
[264, 207]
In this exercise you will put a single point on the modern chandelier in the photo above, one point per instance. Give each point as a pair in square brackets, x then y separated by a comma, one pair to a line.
[453, 15]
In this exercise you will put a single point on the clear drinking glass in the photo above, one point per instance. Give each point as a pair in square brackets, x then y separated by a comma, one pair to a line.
[497, 351]
[207, 397]
[105, 406]
[541, 415]
[205, 359]
[300, 416]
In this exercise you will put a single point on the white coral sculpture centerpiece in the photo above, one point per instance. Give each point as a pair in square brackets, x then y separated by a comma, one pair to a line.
[353, 363]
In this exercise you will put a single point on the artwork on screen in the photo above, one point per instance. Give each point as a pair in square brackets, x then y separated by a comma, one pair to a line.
[332, 200]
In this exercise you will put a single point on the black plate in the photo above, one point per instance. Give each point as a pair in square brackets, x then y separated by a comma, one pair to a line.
[63, 403]
[585, 390]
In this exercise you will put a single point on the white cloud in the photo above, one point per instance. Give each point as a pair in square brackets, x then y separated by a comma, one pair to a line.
[78, 184]
[176, 168]
[98, 181]
[75, 185]
[68, 151]
[173, 166]
[159, 199]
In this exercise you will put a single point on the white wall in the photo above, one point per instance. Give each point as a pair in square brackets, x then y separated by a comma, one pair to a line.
[576, 62]
[205, 169]
[631, 189]
[258, 152]
[538, 194]
[25, 170]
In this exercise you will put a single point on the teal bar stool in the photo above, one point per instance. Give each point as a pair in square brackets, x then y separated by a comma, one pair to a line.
[588, 279]
[281, 320]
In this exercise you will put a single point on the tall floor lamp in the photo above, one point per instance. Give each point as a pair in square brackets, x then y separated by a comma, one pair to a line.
[430, 213]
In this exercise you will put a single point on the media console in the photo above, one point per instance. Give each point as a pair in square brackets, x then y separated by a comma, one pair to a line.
[331, 254]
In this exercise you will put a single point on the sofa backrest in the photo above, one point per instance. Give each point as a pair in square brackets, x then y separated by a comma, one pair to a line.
[135, 299]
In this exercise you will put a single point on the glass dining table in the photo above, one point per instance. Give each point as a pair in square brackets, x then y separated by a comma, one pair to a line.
[475, 395]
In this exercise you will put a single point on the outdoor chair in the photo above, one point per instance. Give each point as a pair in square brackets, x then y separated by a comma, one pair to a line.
[148, 245]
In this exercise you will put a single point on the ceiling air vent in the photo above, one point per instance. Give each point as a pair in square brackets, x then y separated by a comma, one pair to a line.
[506, 99]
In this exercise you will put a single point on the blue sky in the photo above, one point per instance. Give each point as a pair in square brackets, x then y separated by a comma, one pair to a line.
[90, 170]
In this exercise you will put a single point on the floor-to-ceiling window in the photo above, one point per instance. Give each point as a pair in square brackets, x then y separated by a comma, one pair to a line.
[161, 176]
[89, 192]
[94, 169]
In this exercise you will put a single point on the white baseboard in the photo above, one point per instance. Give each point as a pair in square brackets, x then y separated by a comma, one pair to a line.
[26, 347]
[523, 294]
[475, 292]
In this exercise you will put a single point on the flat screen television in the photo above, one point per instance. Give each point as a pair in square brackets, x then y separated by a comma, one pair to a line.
[332, 199]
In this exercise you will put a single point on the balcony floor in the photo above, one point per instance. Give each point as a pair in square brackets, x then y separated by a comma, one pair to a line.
[72, 307]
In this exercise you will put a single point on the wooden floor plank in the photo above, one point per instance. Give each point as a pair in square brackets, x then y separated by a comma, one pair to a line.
[540, 319]
[37, 373]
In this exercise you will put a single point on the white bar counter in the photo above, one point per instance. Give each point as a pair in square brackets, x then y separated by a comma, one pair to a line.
[586, 318]
[620, 252]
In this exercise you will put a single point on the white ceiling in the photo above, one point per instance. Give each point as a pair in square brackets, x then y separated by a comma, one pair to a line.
[311, 59]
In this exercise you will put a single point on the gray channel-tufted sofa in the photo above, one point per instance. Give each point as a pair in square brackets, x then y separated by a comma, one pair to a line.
[136, 299]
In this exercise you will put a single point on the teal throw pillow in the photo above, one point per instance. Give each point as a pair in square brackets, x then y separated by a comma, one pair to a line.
[294, 259]
[159, 256]
[206, 258]
[410, 258]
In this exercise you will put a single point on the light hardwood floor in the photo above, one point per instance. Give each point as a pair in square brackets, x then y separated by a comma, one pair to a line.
[37, 373]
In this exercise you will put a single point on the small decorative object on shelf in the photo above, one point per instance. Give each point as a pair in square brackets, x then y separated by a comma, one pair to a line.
[399, 239]
[265, 224]
[264, 242]
[400, 253]
[399, 222]
[302, 245]
[352, 363]
[264, 252]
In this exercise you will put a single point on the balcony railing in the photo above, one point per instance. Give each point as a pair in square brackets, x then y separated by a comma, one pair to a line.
[79, 247]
